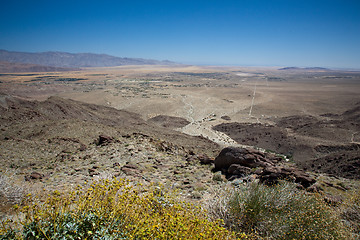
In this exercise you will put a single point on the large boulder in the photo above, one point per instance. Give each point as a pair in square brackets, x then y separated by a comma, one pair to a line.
[237, 169]
[237, 162]
[242, 156]
[271, 175]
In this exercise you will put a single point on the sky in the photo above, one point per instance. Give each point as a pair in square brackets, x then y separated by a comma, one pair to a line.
[219, 32]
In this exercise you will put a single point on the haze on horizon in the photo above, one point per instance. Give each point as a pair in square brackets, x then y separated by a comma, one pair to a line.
[248, 32]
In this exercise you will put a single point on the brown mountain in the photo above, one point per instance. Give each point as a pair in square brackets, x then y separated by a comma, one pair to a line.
[74, 60]
[17, 114]
[8, 67]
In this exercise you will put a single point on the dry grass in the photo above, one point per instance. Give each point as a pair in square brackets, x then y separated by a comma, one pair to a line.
[278, 212]
[350, 212]
[12, 191]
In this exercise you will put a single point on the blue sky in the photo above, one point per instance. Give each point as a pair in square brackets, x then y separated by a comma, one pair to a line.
[242, 32]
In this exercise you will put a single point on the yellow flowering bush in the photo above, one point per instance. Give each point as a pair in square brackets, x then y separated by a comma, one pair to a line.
[113, 209]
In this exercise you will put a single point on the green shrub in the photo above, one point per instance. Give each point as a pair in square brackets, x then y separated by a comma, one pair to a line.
[279, 212]
[113, 210]
[350, 212]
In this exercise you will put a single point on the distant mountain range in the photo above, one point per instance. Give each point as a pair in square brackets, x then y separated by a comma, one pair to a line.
[74, 60]
[7, 67]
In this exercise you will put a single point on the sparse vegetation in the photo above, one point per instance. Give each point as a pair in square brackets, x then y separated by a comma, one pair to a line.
[69, 79]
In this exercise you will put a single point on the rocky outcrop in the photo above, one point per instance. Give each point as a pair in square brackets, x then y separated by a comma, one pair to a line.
[272, 175]
[240, 163]
[242, 156]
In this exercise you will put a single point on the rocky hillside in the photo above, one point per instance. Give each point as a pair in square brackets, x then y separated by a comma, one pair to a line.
[74, 60]
[58, 143]
[327, 144]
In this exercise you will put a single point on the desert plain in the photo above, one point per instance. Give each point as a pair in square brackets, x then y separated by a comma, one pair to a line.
[152, 123]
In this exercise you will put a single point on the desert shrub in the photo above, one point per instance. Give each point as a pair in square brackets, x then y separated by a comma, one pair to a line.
[113, 210]
[350, 212]
[278, 212]
[11, 192]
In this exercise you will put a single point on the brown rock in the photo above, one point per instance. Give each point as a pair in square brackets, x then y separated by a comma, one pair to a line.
[206, 160]
[303, 178]
[333, 200]
[116, 164]
[186, 182]
[271, 175]
[34, 176]
[82, 147]
[131, 169]
[104, 140]
[130, 165]
[314, 188]
[245, 157]
[227, 118]
[191, 159]
[237, 169]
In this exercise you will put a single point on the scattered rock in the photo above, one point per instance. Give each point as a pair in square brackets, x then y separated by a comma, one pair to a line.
[227, 118]
[34, 176]
[164, 146]
[131, 169]
[104, 140]
[93, 172]
[82, 147]
[130, 165]
[191, 159]
[314, 188]
[205, 159]
[186, 182]
[333, 200]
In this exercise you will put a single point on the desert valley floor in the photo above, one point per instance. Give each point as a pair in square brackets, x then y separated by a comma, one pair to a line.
[310, 117]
